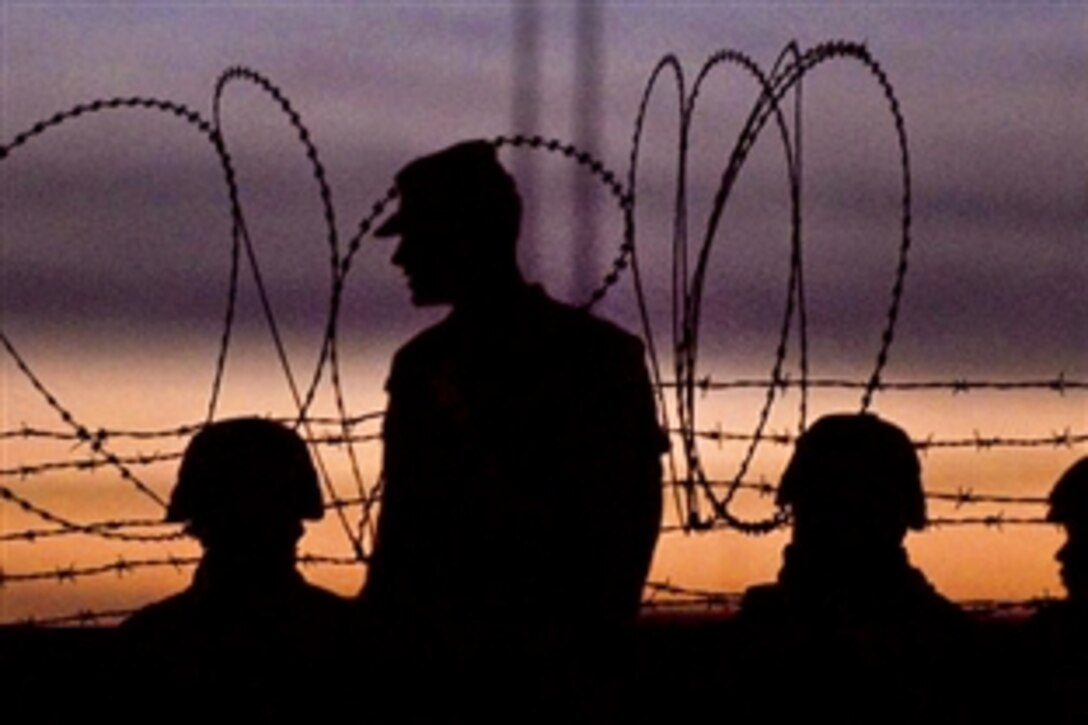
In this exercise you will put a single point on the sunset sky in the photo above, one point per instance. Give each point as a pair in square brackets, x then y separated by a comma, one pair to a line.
[115, 234]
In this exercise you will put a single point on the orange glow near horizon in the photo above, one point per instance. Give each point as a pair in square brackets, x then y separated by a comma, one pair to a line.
[155, 390]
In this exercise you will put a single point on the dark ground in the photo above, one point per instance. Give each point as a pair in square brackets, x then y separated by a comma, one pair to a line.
[681, 665]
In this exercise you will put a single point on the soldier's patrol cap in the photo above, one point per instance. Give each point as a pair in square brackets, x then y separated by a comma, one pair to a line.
[459, 187]
[245, 465]
[858, 461]
[1069, 497]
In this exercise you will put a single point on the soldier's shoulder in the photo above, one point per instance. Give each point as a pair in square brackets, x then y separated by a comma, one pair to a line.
[436, 337]
[423, 350]
[582, 326]
[167, 614]
[1057, 616]
[762, 600]
[322, 599]
[924, 602]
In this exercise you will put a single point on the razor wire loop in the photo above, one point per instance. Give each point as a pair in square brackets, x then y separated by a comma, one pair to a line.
[683, 335]
[684, 312]
[774, 90]
[240, 236]
[241, 232]
[242, 73]
[795, 299]
[21, 139]
[669, 63]
[687, 345]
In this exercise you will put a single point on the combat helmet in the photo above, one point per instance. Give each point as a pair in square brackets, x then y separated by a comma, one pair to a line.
[857, 463]
[245, 468]
[1069, 497]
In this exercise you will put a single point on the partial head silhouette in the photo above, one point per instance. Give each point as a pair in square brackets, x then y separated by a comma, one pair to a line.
[854, 480]
[1069, 507]
[458, 221]
[245, 478]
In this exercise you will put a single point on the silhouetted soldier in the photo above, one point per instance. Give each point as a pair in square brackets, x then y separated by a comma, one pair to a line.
[1069, 507]
[250, 635]
[850, 623]
[1056, 657]
[522, 470]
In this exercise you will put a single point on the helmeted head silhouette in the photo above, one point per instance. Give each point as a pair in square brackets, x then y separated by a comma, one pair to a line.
[1069, 497]
[854, 477]
[242, 472]
[1069, 507]
[458, 221]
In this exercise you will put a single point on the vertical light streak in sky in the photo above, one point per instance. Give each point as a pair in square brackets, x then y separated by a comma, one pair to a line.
[526, 114]
[586, 95]
[5, 412]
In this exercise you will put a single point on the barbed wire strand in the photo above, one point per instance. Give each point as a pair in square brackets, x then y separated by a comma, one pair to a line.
[1060, 384]
[115, 528]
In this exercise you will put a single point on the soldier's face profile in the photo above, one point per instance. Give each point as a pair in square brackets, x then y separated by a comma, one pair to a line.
[426, 256]
[1073, 557]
